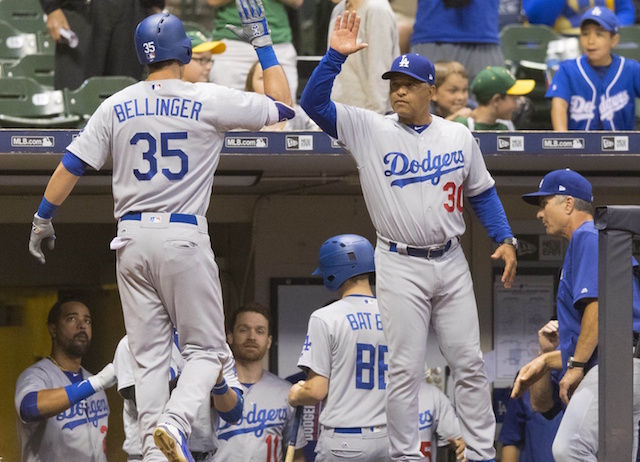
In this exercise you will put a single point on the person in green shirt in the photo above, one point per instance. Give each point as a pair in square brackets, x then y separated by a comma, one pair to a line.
[497, 92]
[231, 68]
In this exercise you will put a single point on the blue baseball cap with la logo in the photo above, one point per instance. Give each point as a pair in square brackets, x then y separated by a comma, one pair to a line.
[413, 65]
[603, 16]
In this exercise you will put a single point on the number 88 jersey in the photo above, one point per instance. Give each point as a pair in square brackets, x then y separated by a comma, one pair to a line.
[345, 343]
[165, 139]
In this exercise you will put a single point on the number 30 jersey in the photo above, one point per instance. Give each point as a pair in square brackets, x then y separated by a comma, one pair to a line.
[165, 139]
[345, 343]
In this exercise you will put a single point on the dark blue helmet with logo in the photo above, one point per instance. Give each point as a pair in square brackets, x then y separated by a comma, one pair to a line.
[342, 257]
[161, 37]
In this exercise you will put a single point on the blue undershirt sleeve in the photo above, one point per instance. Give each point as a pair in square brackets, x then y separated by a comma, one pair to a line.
[234, 414]
[74, 164]
[489, 210]
[29, 408]
[316, 97]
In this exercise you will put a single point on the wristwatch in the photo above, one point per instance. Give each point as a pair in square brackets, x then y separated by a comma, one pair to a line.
[512, 241]
[571, 363]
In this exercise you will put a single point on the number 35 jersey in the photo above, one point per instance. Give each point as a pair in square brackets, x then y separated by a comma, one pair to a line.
[165, 139]
[345, 343]
[413, 182]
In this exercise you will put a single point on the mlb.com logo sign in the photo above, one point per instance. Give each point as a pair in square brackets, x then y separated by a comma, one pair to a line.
[615, 143]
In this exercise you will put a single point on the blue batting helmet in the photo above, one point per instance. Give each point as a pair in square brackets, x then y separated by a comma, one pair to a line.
[161, 37]
[342, 257]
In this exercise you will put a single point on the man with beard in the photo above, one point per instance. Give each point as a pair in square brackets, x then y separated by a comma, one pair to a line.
[62, 407]
[267, 419]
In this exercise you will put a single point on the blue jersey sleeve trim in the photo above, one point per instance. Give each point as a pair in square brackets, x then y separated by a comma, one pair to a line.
[29, 408]
[74, 164]
[489, 210]
[316, 97]
[234, 414]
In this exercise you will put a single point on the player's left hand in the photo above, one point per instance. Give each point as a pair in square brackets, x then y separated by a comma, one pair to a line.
[459, 445]
[507, 252]
[528, 375]
[255, 29]
[570, 382]
[41, 230]
[344, 38]
[293, 392]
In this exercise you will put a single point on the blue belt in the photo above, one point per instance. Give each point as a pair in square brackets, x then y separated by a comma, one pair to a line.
[174, 218]
[433, 252]
[348, 430]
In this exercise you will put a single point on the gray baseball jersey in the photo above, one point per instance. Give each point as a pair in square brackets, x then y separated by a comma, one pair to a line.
[166, 147]
[345, 343]
[75, 435]
[414, 191]
[164, 138]
[263, 432]
[437, 420]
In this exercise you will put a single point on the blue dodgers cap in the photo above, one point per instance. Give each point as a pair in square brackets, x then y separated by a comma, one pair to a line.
[413, 65]
[563, 182]
[603, 16]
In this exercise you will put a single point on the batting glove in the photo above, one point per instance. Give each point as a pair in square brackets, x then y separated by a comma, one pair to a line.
[106, 378]
[41, 230]
[255, 29]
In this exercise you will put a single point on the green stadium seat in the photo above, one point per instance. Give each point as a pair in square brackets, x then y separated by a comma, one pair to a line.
[629, 45]
[24, 103]
[38, 66]
[25, 15]
[15, 44]
[83, 101]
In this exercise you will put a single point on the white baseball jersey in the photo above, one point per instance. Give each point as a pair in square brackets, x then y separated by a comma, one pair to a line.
[166, 148]
[263, 432]
[414, 192]
[75, 435]
[202, 438]
[345, 343]
[437, 420]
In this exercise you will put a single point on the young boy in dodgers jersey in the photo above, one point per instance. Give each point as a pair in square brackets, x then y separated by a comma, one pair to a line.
[598, 90]
[63, 408]
[414, 168]
[344, 355]
[165, 136]
[262, 433]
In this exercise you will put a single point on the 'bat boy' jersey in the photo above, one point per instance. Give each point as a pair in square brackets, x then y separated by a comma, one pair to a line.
[595, 102]
[345, 343]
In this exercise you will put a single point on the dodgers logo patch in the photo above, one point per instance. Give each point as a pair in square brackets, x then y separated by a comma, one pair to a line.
[431, 168]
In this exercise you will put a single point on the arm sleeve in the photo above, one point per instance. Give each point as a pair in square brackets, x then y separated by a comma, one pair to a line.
[316, 352]
[49, 5]
[29, 408]
[560, 87]
[234, 414]
[489, 209]
[74, 164]
[316, 97]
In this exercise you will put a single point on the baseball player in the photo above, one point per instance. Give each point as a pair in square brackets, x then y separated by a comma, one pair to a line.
[415, 169]
[165, 136]
[597, 90]
[202, 442]
[438, 424]
[564, 201]
[262, 433]
[344, 355]
[63, 409]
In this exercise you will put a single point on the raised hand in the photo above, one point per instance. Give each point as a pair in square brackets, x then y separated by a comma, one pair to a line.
[255, 29]
[344, 38]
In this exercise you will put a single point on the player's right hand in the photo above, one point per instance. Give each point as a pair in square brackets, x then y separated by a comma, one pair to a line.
[41, 230]
[255, 29]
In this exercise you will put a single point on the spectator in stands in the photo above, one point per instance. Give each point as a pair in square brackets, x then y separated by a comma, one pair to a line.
[255, 83]
[565, 16]
[405, 11]
[231, 68]
[497, 92]
[451, 98]
[104, 30]
[359, 83]
[201, 59]
[596, 91]
[460, 30]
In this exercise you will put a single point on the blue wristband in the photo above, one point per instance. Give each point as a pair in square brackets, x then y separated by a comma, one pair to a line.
[267, 57]
[220, 388]
[46, 209]
[79, 391]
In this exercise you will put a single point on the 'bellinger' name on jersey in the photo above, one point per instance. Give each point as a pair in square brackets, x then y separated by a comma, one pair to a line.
[419, 182]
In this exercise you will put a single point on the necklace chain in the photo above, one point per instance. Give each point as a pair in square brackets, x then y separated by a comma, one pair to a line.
[56, 363]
